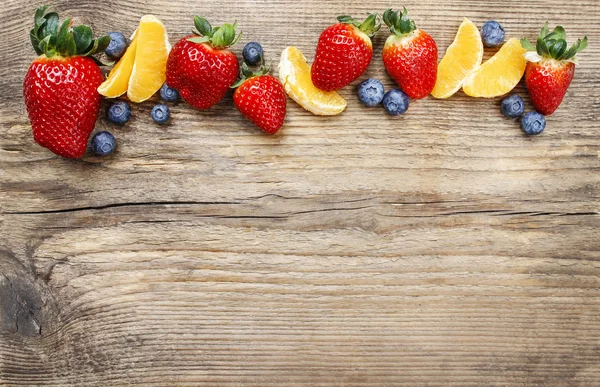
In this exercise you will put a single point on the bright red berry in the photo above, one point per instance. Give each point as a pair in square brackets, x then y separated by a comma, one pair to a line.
[200, 67]
[261, 99]
[60, 87]
[410, 55]
[344, 52]
[551, 68]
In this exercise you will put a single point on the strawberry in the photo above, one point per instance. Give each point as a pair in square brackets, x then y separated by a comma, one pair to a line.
[344, 52]
[60, 87]
[410, 55]
[550, 68]
[261, 99]
[200, 67]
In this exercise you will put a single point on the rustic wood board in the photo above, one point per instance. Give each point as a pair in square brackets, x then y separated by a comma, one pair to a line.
[442, 248]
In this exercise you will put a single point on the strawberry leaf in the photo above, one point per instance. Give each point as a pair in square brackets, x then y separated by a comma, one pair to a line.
[542, 47]
[44, 43]
[83, 38]
[558, 33]
[70, 45]
[579, 46]
[199, 39]
[61, 37]
[557, 47]
[50, 27]
[203, 26]
[544, 31]
[527, 45]
[35, 42]
[39, 19]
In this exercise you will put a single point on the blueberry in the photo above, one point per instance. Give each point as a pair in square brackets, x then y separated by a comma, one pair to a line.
[395, 102]
[103, 143]
[117, 46]
[370, 92]
[119, 112]
[160, 114]
[492, 34]
[513, 106]
[533, 123]
[253, 53]
[168, 94]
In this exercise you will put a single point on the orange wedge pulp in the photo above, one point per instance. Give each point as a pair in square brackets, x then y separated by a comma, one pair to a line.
[500, 74]
[462, 57]
[141, 71]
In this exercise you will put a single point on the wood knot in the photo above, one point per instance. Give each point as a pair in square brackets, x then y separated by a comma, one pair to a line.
[20, 306]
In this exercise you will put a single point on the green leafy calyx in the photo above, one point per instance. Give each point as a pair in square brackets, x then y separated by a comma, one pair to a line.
[369, 26]
[218, 37]
[50, 37]
[554, 44]
[398, 22]
[247, 73]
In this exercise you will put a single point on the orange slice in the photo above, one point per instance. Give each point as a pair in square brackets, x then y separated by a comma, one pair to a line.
[294, 73]
[118, 79]
[150, 66]
[462, 57]
[500, 74]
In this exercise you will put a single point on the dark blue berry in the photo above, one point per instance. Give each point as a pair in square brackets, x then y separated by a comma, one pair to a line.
[160, 114]
[492, 34]
[513, 106]
[119, 112]
[253, 53]
[533, 123]
[117, 46]
[103, 143]
[371, 92]
[168, 94]
[395, 102]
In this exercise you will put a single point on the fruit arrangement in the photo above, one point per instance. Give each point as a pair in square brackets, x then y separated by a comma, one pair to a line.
[64, 85]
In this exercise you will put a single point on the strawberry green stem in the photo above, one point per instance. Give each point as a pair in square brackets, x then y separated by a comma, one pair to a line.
[554, 44]
[218, 37]
[398, 22]
[246, 73]
[369, 26]
[50, 38]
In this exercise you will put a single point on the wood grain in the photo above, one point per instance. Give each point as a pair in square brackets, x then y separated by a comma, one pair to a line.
[442, 248]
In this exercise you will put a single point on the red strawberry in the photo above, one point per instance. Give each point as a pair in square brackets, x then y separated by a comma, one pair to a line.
[344, 52]
[550, 68]
[410, 55]
[60, 87]
[261, 99]
[201, 67]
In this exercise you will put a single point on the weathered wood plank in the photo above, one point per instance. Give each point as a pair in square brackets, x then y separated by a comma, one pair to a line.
[440, 248]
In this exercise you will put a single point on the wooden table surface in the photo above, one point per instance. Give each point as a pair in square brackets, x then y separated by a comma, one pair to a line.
[442, 248]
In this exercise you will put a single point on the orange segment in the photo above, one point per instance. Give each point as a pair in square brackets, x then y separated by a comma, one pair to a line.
[294, 73]
[149, 69]
[462, 57]
[500, 74]
[118, 79]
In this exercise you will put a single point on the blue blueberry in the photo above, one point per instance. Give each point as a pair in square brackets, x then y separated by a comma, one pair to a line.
[492, 34]
[252, 53]
[513, 106]
[168, 94]
[161, 114]
[119, 112]
[370, 92]
[533, 123]
[117, 46]
[395, 102]
[103, 143]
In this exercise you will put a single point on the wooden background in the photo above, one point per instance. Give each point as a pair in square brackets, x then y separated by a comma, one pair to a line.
[442, 248]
